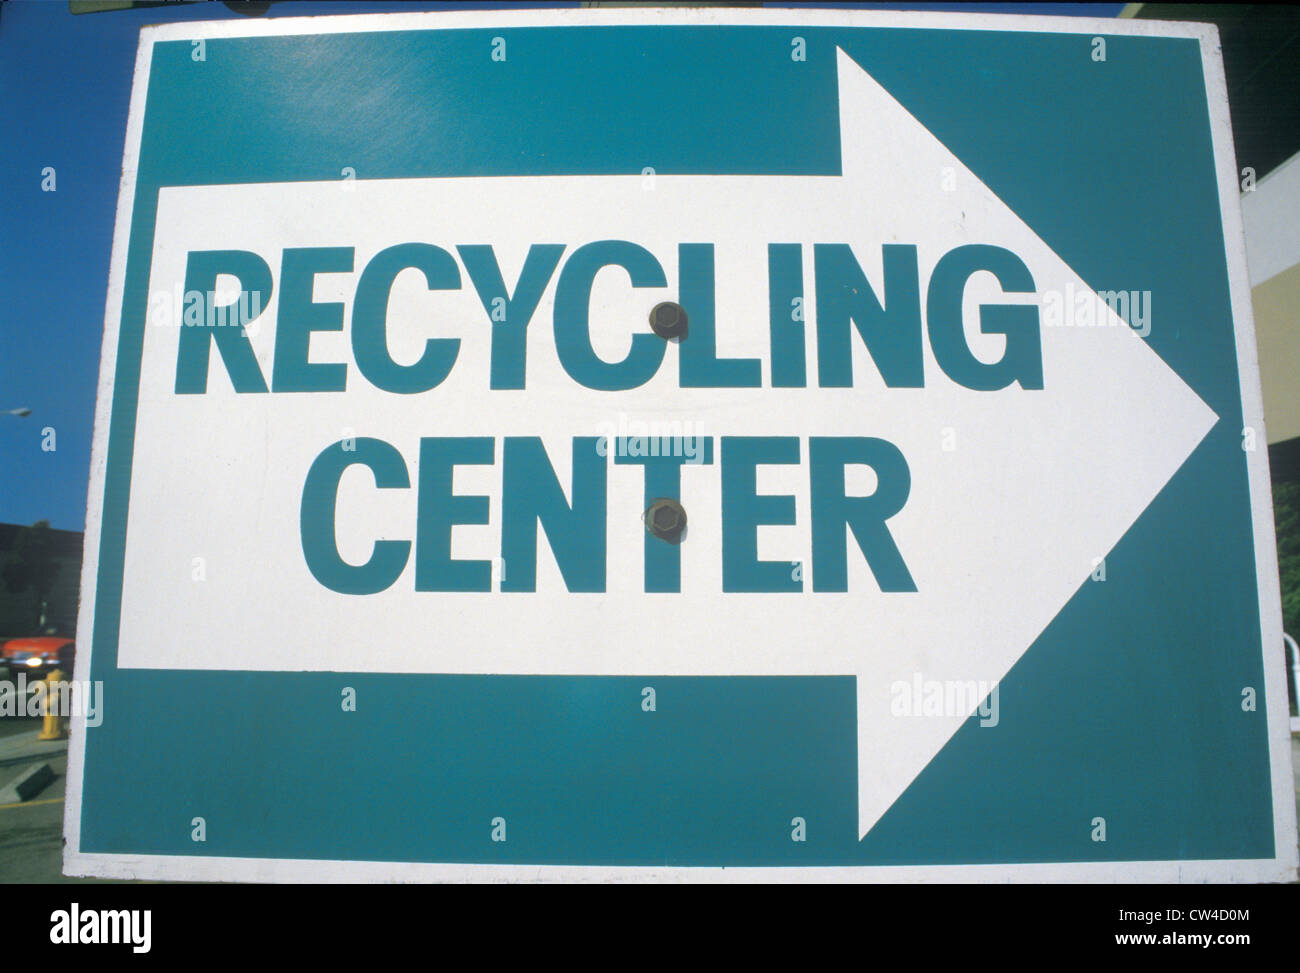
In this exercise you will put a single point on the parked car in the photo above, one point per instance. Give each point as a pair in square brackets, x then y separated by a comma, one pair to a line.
[38, 655]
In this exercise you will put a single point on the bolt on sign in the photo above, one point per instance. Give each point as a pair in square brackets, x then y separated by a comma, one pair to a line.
[636, 444]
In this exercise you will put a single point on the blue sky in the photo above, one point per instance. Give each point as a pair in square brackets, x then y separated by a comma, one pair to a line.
[65, 83]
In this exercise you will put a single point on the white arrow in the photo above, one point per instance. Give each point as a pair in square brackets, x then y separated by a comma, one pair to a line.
[1014, 493]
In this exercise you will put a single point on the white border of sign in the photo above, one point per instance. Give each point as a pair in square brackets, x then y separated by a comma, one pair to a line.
[1281, 868]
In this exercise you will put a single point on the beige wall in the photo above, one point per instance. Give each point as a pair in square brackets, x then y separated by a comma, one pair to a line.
[1271, 214]
[1277, 331]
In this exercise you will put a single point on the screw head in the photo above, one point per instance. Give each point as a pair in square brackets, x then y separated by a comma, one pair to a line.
[668, 320]
[666, 519]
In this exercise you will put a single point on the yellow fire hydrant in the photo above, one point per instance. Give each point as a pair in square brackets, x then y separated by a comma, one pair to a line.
[56, 726]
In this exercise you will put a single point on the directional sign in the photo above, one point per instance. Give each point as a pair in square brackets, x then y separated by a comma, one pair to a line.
[933, 329]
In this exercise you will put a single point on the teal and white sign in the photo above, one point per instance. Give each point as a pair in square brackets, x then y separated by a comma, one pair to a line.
[978, 579]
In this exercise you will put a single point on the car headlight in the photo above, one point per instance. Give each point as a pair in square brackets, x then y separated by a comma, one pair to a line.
[35, 661]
